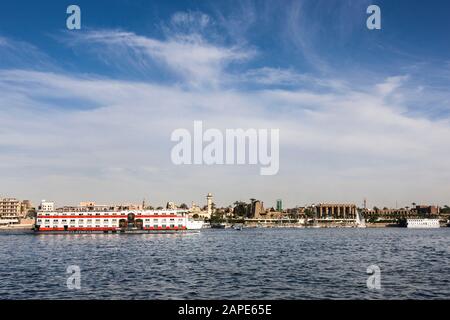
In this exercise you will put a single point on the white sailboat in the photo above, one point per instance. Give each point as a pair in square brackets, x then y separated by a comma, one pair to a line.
[360, 221]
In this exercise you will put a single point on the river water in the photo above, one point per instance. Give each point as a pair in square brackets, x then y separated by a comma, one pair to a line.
[229, 264]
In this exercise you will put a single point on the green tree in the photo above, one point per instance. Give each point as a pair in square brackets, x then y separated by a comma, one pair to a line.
[216, 218]
[183, 206]
[240, 209]
[309, 213]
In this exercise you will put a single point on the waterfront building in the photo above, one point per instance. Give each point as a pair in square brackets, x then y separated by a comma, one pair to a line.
[92, 206]
[296, 212]
[388, 214]
[47, 206]
[335, 211]
[194, 208]
[257, 210]
[427, 210]
[127, 206]
[14, 207]
[417, 212]
[279, 205]
[269, 217]
[274, 214]
[205, 212]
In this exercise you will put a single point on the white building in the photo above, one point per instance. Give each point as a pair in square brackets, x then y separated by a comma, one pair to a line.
[209, 204]
[47, 206]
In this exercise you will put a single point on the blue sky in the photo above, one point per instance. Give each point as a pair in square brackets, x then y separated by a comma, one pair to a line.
[362, 114]
[413, 31]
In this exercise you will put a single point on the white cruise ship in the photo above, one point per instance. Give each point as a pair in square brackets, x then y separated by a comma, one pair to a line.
[128, 221]
[422, 223]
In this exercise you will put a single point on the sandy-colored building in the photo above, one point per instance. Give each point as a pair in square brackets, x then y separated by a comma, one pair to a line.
[14, 207]
[335, 211]
[204, 214]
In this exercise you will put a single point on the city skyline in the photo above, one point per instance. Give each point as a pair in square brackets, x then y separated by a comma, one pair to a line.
[88, 114]
[218, 204]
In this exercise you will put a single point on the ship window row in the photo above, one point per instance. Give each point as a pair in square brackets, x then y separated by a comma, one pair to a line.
[163, 220]
[163, 226]
[74, 220]
[105, 213]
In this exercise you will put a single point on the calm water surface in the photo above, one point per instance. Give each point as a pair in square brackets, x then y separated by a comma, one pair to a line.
[229, 264]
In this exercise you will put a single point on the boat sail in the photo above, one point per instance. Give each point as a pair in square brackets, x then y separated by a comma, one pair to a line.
[360, 221]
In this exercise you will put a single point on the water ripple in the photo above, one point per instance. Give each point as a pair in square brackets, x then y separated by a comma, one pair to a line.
[228, 264]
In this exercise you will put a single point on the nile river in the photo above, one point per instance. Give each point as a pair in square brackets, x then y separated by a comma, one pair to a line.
[229, 264]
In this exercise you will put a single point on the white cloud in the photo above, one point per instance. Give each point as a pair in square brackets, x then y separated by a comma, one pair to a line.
[190, 56]
[391, 84]
[190, 21]
[121, 147]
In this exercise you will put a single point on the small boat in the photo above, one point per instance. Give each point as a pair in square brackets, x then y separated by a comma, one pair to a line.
[422, 223]
[206, 225]
[218, 225]
[237, 227]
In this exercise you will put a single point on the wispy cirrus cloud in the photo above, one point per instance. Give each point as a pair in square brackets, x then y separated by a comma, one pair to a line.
[15, 53]
[188, 56]
[188, 22]
[281, 77]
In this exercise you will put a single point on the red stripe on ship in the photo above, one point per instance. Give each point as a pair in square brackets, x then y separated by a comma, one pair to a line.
[107, 229]
[77, 229]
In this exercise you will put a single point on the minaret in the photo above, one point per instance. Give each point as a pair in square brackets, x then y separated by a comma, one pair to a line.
[209, 203]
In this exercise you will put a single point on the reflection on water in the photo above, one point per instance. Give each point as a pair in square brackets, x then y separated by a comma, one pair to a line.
[229, 264]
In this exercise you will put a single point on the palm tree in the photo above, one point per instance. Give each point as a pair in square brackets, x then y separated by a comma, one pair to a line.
[183, 206]
[240, 208]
